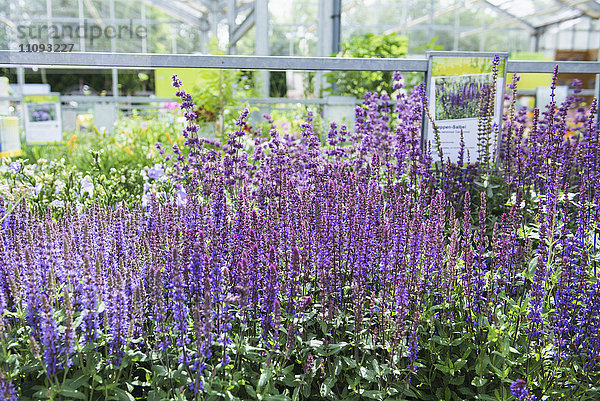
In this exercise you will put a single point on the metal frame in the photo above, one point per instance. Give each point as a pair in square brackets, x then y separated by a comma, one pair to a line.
[114, 61]
[205, 16]
[134, 61]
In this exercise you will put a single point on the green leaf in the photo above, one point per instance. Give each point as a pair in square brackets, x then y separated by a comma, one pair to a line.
[265, 377]
[492, 334]
[459, 364]
[485, 397]
[124, 395]
[530, 272]
[337, 366]
[442, 368]
[72, 394]
[367, 374]
[159, 370]
[479, 381]
[372, 394]
[296, 394]
[78, 380]
[251, 392]
[350, 362]
[278, 397]
[326, 386]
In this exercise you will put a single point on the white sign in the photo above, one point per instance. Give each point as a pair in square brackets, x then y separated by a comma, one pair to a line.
[459, 83]
[43, 122]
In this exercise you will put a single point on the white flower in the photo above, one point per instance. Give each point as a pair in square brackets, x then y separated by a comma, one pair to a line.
[87, 186]
[29, 171]
[59, 185]
[57, 203]
[145, 200]
[37, 189]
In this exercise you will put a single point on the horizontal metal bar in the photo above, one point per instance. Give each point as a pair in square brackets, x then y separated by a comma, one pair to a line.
[145, 61]
[139, 61]
[285, 100]
[570, 91]
[117, 99]
[566, 67]
[103, 99]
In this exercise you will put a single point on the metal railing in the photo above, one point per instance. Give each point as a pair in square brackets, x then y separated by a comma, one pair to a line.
[114, 61]
[148, 61]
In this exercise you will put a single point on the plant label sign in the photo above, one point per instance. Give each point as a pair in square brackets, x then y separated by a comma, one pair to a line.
[43, 122]
[464, 96]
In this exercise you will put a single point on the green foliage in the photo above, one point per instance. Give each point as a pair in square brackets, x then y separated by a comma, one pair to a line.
[218, 94]
[356, 83]
[114, 163]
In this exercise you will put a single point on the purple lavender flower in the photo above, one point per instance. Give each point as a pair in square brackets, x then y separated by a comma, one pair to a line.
[519, 390]
[50, 338]
[7, 389]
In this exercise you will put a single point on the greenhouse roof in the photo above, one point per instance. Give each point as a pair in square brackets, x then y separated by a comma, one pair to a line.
[187, 26]
[542, 13]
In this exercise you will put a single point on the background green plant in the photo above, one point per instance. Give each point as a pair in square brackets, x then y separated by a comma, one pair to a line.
[357, 83]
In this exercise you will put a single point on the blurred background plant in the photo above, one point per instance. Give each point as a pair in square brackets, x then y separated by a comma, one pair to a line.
[357, 83]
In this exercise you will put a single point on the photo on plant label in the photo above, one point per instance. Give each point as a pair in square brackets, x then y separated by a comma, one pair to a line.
[41, 112]
[459, 96]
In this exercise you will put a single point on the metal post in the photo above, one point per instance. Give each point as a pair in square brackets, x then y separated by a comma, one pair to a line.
[115, 83]
[456, 29]
[81, 26]
[431, 18]
[404, 17]
[261, 41]
[598, 91]
[231, 16]
[145, 25]
[214, 17]
[21, 83]
[113, 39]
[49, 20]
[324, 46]
[174, 39]
[336, 26]
[536, 38]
